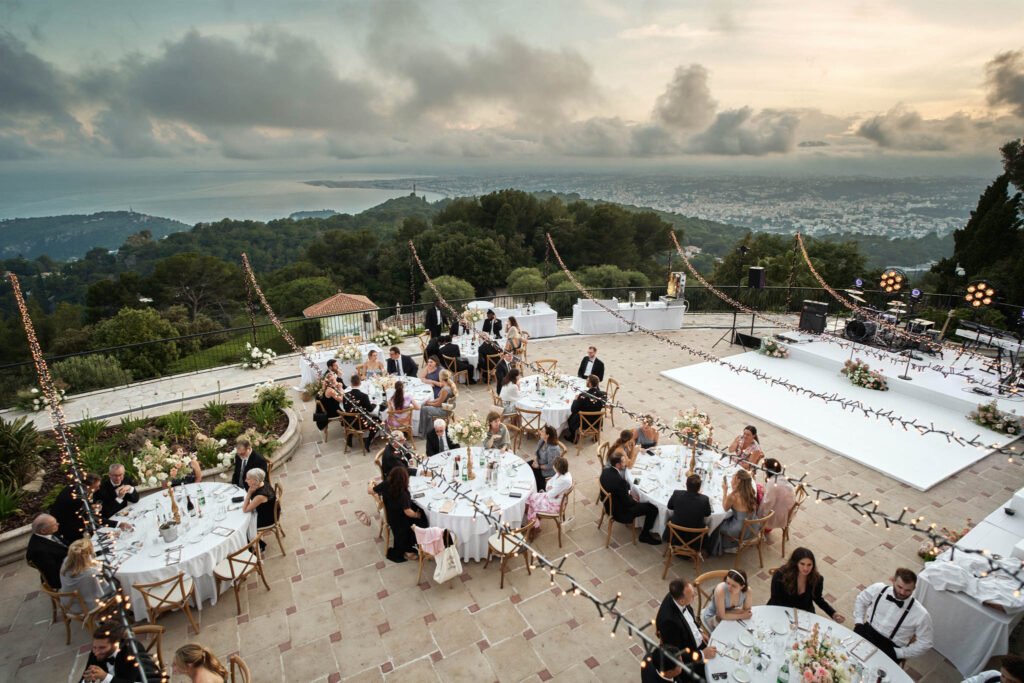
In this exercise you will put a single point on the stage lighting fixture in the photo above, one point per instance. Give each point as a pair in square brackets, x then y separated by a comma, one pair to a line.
[859, 283]
[915, 293]
[892, 281]
[980, 293]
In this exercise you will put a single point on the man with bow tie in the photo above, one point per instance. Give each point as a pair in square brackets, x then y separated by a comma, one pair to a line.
[889, 617]
[112, 659]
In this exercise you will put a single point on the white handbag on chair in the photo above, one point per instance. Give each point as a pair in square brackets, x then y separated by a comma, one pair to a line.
[449, 564]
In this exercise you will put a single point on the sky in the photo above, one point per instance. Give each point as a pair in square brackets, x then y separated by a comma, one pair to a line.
[573, 81]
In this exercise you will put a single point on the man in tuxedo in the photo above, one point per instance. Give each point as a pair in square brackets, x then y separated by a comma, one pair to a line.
[45, 548]
[357, 397]
[1011, 670]
[452, 350]
[112, 659]
[660, 668]
[678, 628]
[246, 459]
[115, 492]
[433, 349]
[591, 365]
[401, 365]
[439, 439]
[889, 617]
[492, 325]
[487, 348]
[689, 508]
[434, 320]
[505, 366]
[626, 506]
[394, 456]
[589, 401]
[67, 508]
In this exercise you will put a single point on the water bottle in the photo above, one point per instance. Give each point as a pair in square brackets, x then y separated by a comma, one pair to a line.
[465, 474]
[202, 499]
[783, 676]
[482, 458]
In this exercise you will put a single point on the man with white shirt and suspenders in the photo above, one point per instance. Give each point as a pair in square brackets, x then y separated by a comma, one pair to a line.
[889, 617]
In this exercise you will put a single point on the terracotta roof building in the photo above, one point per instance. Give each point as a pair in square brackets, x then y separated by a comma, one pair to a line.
[338, 304]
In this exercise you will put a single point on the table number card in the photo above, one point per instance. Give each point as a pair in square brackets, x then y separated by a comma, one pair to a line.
[863, 650]
[173, 556]
[222, 531]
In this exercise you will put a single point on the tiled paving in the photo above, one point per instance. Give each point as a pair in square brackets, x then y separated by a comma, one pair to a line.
[337, 610]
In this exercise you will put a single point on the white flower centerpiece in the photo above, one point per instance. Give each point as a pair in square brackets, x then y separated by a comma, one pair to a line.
[256, 358]
[473, 316]
[859, 374]
[349, 353]
[157, 464]
[818, 659]
[694, 424]
[388, 336]
[470, 431]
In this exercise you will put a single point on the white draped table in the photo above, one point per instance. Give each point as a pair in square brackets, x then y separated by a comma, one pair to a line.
[539, 319]
[413, 388]
[589, 318]
[515, 477]
[554, 403]
[773, 636]
[347, 368]
[202, 547]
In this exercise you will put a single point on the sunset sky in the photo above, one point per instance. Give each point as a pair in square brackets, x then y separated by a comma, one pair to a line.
[254, 80]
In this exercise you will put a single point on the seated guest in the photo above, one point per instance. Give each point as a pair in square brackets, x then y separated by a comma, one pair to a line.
[450, 350]
[439, 406]
[401, 365]
[372, 367]
[626, 506]
[356, 401]
[332, 369]
[891, 619]
[402, 514]
[330, 401]
[798, 584]
[433, 349]
[246, 459]
[659, 667]
[199, 664]
[438, 440]
[548, 449]
[112, 658]
[1011, 670]
[399, 401]
[625, 446]
[747, 448]
[45, 549]
[590, 400]
[728, 601]
[509, 392]
[779, 496]
[591, 365]
[259, 498]
[492, 325]
[505, 366]
[488, 347]
[67, 508]
[431, 374]
[497, 433]
[514, 336]
[689, 508]
[115, 492]
[741, 502]
[646, 435]
[83, 573]
[549, 500]
[395, 455]
[678, 628]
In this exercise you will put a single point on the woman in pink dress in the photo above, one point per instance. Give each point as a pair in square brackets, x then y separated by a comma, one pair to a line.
[399, 401]
[747, 448]
[779, 496]
[550, 499]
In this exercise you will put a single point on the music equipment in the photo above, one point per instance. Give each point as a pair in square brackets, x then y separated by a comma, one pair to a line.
[919, 326]
[857, 298]
[860, 330]
[813, 316]
[755, 277]
[748, 341]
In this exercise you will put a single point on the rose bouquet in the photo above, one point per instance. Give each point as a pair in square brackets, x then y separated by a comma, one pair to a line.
[157, 464]
[474, 315]
[33, 399]
[860, 375]
[693, 424]
[819, 660]
[255, 357]
[470, 430]
[388, 336]
[349, 353]
[929, 551]
[771, 347]
[988, 415]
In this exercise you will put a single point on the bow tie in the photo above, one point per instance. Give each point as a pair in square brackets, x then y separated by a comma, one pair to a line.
[899, 603]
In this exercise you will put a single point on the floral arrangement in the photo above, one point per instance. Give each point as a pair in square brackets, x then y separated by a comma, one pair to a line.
[818, 660]
[988, 415]
[929, 551]
[33, 399]
[771, 347]
[470, 430]
[382, 382]
[693, 424]
[313, 389]
[388, 336]
[474, 315]
[860, 375]
[349, 353]
[209, 452]
[156, 464]
[255, 358]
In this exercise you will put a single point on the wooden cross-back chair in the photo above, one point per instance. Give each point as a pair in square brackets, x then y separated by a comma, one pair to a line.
[156, 642]
[236, 568]
[507, 544]
[704, 595]
[529, 421]
[591, 424]
[490, 367]
[168, 595]
[798, 501]
[275, 528]
[558, 517]
[751, 536]
[448, 540]
[401, 421]
[66, 603]
[452, 364]
[604, 499]
[239, 670]
[353, 425]
[612, 390]
[678, 546]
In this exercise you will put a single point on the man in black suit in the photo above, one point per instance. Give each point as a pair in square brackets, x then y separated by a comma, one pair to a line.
[660, 668]
[439, 440]
[115, 492]
[434, 320]
[394, 456]
[487, 348]
[246, 459]
[591, 365]
[45, 548]
[401, 365]
[67, 508]
[113, 660]
[332, 368]
[451, 350]
[492, 325]
[689, 508]
[505, 366]
[626, 506]
[589, 401]
[357, 397]
[433, 349]
[678, 628]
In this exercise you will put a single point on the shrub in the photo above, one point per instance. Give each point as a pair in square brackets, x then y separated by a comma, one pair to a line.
[51, 497]
[522, 271]
[98, 457]
[263, 414]
[129, 424]
[10, 500]
[131, 326]
[527, 284]
[451, 288]
[177, 424]
[216, 410]
[89, 430]
[273, 395]
[95, 371]
[138, 437]
[20, 446]
[228, 429]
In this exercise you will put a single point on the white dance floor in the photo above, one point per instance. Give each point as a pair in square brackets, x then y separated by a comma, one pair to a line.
[916, 460]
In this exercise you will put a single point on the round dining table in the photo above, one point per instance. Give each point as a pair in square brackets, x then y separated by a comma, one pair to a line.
[413, 387]
[554, 403]
[754, 650]
[202, 542]
[346, 368]
[506, 497]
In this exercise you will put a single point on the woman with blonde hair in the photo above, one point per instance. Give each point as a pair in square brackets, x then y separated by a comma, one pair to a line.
[436, 407]
[741, 503]
[199, 664]
[81, 572]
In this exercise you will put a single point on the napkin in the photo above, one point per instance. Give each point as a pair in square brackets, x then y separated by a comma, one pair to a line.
[522, 486]
[232, 508]
[447, 506]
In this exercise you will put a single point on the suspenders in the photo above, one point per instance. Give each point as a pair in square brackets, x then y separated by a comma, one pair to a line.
[906, 611]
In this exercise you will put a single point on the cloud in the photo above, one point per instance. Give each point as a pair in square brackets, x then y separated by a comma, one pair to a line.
[15, 147]
[686, 103]
[1004, 77]
[31, 86]
[742, 131]
[901, 128]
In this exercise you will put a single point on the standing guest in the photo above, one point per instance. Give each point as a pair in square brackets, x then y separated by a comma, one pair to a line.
[372, 367]
[626, 446]
[401, 365]
[356, 401]
[646, 436]
[439, 440]
[115, 492]
[112, 658]
[435, 407]
[747, 448]
[452, 350]
[591, 365]
[330, 401]
[399, 401]
[591, 400]
[514, 337]
[509, 392]
[678, 628]
[68, 511]
[548, 449]
[798, 584]
[434, 320]
[690, 509]
[550, 499]
[199, 664]
[401, 513]
[497, 433]
[626, 506]
[779, 497]
[45, 549]
[492, 325]
[728, 601]
[246, 459]
[889, 617]
[81, 572]
[394, 455]
[431, 374]
[741, 501]
[505, 366]
[1011, 670]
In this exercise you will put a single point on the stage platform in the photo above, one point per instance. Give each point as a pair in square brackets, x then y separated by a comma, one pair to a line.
[916, 460]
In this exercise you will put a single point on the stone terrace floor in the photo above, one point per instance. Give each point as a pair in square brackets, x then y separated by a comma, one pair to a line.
[339, 611]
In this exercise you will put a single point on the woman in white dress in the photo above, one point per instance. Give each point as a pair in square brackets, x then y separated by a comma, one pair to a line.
[510, 393]
[81, 572]
[550, 499]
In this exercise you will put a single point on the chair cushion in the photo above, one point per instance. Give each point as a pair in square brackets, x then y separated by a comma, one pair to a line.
[504, 544]
[223, 568]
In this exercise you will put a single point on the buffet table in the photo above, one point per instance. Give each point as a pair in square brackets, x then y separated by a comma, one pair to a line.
[538, 320]
[590, 318]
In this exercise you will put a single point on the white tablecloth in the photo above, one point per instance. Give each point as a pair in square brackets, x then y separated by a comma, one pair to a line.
[346, 368]
[414, 389]
[201, 549]
[773, 623]
[539, 319]
[472, 534]
[554, 404]
[588, 318]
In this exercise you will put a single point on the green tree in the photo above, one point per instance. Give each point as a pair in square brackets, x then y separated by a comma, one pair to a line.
[106, 297]
[202, 283]
[1013, 161]
[451, 288]
[133, 325]
[527, 284]
[520, 272]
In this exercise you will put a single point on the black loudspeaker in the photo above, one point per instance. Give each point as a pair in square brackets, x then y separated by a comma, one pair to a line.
[755, 277]
[813, 316]
[748, 341]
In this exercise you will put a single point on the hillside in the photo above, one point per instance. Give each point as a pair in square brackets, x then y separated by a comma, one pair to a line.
[68, 237]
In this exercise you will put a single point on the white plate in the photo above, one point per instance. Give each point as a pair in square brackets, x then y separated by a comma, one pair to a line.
[746, 639]
[741, 676]
[780, 629]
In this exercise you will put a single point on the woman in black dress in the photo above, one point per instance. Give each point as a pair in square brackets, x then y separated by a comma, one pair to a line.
[402, 514]
[798, 584]
[330, 401]
[260, 498]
